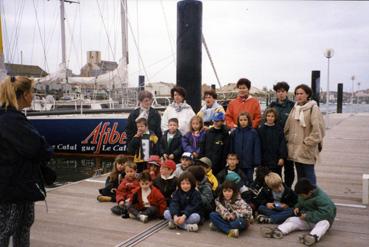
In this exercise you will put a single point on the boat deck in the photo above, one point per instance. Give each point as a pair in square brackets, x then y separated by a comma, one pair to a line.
[75, 218]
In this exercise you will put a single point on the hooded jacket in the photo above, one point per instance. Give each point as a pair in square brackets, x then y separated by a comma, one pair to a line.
[283, 108]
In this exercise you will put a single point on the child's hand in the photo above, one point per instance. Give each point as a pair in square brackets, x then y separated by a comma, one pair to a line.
[138, 134]
[296, 211]
[181, 220]
[281, 162]
[195, 155]
[175, 219]
[113, 190]
[165, 156]
[232, 217]
[121, 203]
[284, 205]
[302, 216]
[171, 156]
[270, 205]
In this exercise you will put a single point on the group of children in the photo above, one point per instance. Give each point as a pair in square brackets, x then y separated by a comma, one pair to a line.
[214, 180]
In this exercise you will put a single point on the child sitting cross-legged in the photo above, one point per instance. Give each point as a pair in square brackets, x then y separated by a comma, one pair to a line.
[166, 182]
[125, 190]
[232, 213]
[185, 208]
[277, 201]
[146, 202]
[107, 194]
[314, 211]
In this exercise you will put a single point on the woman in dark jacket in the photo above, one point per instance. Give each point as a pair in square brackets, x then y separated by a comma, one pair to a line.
[146, 111]
[23, 152]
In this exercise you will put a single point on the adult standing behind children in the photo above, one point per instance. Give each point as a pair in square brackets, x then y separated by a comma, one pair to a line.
[284, 106]
[23, 153]
[144, 110]
[304, 131]
[243, 103]
[211, 107]
[178, 109]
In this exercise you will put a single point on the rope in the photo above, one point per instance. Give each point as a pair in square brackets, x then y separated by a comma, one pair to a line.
[167, 28]
[106, 32]
[42, 43]
[136, 45]
[211, 60]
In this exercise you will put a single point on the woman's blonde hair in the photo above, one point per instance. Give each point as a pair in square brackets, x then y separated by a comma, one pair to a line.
[12, 88]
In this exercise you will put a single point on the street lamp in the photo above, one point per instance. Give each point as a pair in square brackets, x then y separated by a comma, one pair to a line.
[328, 54]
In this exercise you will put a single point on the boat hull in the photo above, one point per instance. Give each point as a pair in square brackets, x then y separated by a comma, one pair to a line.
[95, 135]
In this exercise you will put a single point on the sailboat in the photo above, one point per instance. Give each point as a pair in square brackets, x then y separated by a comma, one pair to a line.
[94, 133]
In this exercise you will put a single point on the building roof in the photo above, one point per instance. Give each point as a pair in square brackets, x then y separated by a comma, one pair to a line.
[24, 70]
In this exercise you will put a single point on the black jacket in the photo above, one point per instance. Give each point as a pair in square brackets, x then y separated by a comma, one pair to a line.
[175, 146]
[23, 152]
[154, 123]
[289, 197]
[216, 145]
[273, 145]
[166, 187]
[283, 110]
[186, 203]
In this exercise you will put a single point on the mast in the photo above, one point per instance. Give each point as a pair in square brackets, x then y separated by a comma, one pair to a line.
[2, 66]
[124, 31]
[62, 24]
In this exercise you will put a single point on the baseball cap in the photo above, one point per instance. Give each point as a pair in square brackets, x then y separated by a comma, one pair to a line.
[187, 155]
[218, 116]
[170, 164]
[155, 160]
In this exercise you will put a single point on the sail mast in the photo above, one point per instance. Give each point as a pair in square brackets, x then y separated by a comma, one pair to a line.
[62, 24]
[124, 30]
[2, 66]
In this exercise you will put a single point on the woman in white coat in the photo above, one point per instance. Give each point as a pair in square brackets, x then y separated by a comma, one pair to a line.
[178, 109]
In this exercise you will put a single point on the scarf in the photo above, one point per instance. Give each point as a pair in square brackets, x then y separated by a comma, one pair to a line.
[179, 107]
[299, 111]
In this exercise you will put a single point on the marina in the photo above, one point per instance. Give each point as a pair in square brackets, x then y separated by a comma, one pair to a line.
[76, 218]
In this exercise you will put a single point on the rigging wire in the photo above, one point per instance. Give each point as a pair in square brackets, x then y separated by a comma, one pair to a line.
[211, 60]
[5, 36]
[106, 32]
[46, 66]
[136, 45]
[171, 42]
[161, 69]
[73, 45]
[19, 19]
[138, 37]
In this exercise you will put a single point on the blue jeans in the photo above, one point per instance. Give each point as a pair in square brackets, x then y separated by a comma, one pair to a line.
[306, 171]
[277, 217]
[194, 218]
[225, 225]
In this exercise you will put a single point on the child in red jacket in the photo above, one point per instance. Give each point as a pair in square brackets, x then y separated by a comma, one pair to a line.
[125, 190]
[147, 201]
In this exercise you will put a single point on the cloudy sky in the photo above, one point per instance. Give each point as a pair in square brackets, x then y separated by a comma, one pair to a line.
[265, 41]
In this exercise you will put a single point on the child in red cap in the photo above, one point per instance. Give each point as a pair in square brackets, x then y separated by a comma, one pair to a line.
[166, 182]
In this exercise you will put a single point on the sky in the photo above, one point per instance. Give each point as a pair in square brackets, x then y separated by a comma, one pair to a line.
[264, 41]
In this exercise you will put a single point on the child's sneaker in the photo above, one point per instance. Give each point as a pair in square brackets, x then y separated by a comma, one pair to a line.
[278, 234]
[143, 218]
[117, 210]
[171, 224]
[192, 227]
[101, 198]
[308, 239]
[263, 219]
[212, 227]
[233, 233]
[132, 216]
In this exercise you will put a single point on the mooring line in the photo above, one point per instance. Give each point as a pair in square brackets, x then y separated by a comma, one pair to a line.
[144, 234]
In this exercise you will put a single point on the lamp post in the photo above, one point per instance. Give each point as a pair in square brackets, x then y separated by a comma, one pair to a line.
[328, 54]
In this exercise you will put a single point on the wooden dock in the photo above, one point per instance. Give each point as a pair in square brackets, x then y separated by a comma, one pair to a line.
[75, 218]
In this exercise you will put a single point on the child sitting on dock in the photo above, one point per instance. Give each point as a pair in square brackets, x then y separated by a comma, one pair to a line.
[314, 211]
[232, 213]
[186, 161]
[107, 194]
[192, 141]
[167, 182]
[125, 190]
[277, 201]
[204, 187]
[206, 164]
[171, 142]
[185, 208]
[146, 202]
[153, 166]
[143, 144]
